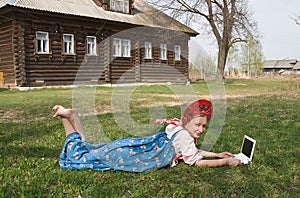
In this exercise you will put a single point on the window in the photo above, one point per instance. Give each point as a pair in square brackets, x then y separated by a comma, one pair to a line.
[119, 5]
[91, 45]
[42, 42]
[163, 51]
[148, 50]
[122, 47]
[126, 48]
[117, 47]
[177, 51]
[68, 44]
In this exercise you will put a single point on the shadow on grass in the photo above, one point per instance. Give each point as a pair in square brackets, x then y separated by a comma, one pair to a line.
[30, 152]
[33, 140]
[3, 89]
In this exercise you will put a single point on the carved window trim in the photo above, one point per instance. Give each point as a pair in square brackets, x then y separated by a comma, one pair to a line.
[42, 42]
[120, 6]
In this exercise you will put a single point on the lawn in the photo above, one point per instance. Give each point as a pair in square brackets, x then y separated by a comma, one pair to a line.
[266, 109]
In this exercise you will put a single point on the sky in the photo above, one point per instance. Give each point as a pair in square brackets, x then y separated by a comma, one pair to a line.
[280, 34]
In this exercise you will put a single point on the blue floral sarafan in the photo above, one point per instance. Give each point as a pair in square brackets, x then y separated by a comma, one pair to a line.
[126, 154]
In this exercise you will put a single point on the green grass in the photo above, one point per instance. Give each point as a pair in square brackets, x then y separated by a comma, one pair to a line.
[266, 109]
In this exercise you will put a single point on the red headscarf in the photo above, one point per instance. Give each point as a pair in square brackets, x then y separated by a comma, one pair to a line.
[197, 108]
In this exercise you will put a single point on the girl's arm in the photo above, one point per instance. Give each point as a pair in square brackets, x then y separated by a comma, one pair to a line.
[226, 159]
[218, 155]
[219, 162]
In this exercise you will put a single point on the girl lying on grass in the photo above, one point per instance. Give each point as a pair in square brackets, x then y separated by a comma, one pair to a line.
[178, 141]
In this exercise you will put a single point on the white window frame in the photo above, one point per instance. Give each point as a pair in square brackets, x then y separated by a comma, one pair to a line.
[117, 46]
[68, 43]
[91, 44]
[120, 5]
[126, 48]
[122, 47]
[163, 51]
[42, 42]
[177, 51]
[148, 50]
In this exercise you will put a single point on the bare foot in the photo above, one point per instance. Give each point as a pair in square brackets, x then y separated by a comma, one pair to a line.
[62, 112]
[70, 118]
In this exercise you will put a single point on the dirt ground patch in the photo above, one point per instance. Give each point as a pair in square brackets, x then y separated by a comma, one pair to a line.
[10, 115]
[103, 109]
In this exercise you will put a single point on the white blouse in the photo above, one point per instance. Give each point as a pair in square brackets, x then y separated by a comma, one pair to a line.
[184, 144]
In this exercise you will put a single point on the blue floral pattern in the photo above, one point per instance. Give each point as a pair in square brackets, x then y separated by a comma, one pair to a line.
[126, 154]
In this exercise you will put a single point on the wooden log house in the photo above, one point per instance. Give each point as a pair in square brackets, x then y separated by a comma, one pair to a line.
[63, 42]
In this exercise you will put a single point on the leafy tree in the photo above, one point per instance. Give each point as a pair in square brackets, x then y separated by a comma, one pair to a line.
[252, 57]
[202, 67]
[228, 20]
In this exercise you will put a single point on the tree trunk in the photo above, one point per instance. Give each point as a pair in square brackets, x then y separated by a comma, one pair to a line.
[222, 56]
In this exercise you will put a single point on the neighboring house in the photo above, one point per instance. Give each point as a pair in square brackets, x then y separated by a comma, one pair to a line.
[296, 68]
[281, 67]
[60, 42]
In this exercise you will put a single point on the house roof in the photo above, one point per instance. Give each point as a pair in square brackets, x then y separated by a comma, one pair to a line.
[144, 14]
[280, 64]
[297, 66]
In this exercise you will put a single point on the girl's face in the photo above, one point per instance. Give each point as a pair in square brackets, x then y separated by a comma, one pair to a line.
[196, 126]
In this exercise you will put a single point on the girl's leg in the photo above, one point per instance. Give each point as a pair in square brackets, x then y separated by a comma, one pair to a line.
[70, 120]
[69, 128]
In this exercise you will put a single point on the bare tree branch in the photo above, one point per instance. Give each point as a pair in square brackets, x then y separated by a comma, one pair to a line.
[230, 21]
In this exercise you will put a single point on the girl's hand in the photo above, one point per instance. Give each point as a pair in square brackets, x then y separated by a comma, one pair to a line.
[225, 155]
[233, 162]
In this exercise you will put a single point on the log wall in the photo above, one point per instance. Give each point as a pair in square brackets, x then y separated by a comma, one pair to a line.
[7, 53]
[23, 66]
[57, 68]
